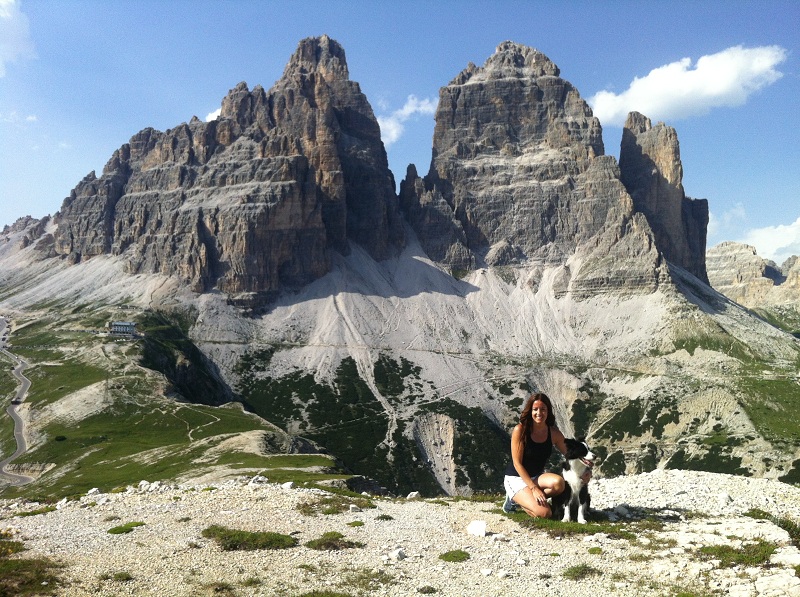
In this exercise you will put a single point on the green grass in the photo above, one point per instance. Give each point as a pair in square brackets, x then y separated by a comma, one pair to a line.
[124, 528]
[368, 580]
[102, 452]
[772, 405]
[752, 554]
[24, 577]
[332, 541]
[455, 555]
[333, 504]
[42, 510]
[50, 382]
[580, 572]
[237, 540]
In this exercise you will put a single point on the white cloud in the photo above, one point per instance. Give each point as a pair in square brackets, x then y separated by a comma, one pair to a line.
[775, 242]
[392, 126]
[15, 40]
[213, 115]
[677, 90]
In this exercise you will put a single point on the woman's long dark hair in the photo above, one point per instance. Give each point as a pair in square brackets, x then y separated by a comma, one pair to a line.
[526, 420]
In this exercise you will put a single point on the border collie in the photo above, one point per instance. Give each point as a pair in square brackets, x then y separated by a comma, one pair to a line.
[576, 494]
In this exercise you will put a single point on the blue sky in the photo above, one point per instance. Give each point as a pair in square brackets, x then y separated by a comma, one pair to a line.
[79, 78]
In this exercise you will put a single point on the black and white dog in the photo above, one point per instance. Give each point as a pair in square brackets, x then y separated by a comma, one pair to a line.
[576, 494]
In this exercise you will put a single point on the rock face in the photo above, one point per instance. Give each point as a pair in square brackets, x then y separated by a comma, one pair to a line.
[518, 176]
[736, 270]
[254, 201]
[650, 164]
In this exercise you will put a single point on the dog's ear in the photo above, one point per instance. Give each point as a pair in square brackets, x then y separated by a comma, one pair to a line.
[582, 439]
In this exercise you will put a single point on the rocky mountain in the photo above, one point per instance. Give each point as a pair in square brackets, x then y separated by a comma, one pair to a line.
[736, 270]
[253, 202]
[651, 169]
[267, 253]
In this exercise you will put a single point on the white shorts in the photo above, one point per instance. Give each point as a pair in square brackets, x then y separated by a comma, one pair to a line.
[514, 484]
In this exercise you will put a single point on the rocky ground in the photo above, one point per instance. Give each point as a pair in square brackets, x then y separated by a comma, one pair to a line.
[403, 539]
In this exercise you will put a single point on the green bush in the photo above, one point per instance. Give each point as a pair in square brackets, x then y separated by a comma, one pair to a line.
[236, 540]
[332, 541]
[456, 555]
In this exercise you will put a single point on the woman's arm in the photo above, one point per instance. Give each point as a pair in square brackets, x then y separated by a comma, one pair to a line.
[558, 440]
[517, 452]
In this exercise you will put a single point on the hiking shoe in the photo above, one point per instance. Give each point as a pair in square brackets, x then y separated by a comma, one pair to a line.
[509, 505]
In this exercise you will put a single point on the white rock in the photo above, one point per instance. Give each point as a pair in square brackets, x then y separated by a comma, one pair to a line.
[397, 554]
[521, 562]
[477, 528]
[414, 495]
[486, 571]
[287, 485]
[143, 485]
[499, 537]
[788, 556]
[93, 491]
[502, 573]
[354, 508]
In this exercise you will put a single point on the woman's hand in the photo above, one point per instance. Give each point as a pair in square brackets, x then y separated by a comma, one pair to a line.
[538, 495]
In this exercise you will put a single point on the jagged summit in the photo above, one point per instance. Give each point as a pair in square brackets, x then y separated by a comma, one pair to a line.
[253, 202]
[510, 59]
[318, 54]
[652, 172]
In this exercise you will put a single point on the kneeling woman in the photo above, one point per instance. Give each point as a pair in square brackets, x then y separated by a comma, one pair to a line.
[532, 443]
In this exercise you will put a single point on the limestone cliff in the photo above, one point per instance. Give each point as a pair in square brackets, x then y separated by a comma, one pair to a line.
[254, 201]
[518, 176]
[736, 270]
[650, 164]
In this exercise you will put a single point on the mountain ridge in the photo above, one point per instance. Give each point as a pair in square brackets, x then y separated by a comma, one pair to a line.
[403, 333]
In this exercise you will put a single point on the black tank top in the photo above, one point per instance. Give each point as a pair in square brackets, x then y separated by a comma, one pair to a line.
[534, 458]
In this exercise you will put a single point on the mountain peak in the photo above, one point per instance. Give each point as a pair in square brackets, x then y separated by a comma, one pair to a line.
[318, 54]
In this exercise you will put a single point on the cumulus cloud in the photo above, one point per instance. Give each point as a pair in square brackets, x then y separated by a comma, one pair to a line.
[15, 40]
[678, 90]
[775, 242]
[213, 115]
[392, 126]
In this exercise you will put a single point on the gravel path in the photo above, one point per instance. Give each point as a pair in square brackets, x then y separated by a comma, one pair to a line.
[168, 555]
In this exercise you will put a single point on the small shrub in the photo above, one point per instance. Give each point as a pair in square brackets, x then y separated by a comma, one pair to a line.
[111, 518]
[426, 590]
[124, 528]
[235, 540]
[253, 581]
[355, 523]
[184, 519]
[333, 504]
[10, 547]
[456, 555]
[580, 572]
[42, 510]
[752, 554]
[595, 550]
[332, 541]
[384, 517]
[122, 576]
[368, 580]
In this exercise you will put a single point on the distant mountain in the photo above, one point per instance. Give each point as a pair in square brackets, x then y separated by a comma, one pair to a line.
[402, 334]
[736, 270]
